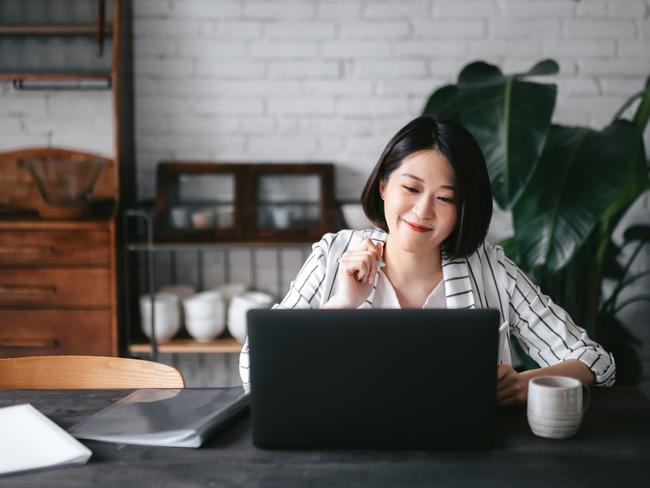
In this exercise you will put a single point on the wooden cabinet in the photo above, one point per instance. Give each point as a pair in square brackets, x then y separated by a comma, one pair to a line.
[57, 287]
[58, 278]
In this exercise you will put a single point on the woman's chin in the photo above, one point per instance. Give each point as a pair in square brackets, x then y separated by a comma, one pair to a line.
[415, 243]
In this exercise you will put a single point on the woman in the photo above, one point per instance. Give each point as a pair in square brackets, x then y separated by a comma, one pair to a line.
[430, 197]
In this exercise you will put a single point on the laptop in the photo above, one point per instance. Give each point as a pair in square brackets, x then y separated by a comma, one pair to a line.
[373, 378]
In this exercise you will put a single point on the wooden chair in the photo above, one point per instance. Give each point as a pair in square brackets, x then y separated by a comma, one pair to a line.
[86, 372]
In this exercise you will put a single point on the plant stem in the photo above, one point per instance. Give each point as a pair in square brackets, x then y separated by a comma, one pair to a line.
[612, 300]
[637, 298]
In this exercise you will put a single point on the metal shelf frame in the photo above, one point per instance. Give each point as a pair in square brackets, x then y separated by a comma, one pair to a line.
[151, 250]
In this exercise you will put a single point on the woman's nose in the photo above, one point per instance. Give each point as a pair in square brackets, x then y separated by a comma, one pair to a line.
[423, 207]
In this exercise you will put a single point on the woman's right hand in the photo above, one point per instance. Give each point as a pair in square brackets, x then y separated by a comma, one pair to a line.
[357, 271]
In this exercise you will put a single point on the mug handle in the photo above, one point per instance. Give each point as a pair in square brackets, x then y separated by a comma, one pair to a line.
[586, 398]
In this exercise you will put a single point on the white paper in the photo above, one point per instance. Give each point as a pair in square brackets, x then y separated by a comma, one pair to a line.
[29, 440]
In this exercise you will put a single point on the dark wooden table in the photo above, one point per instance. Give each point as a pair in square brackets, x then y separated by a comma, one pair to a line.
[611, 449]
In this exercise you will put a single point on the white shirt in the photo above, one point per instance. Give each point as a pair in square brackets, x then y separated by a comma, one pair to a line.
[386, 297]
[484, 279]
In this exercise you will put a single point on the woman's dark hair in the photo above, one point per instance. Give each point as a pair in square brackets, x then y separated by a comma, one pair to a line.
[473, 194]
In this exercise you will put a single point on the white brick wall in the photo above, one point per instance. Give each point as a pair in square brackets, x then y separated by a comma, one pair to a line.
[79, 120]
[251, 71]
[302, 72]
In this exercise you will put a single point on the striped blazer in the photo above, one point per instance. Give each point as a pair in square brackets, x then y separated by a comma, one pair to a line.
[484, 279]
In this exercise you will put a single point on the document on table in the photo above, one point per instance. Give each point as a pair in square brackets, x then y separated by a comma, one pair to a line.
[29, 441]
[165, 417]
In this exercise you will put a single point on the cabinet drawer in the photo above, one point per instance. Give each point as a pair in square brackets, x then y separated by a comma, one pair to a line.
[54, 248]
[40, 332]
[86, 287]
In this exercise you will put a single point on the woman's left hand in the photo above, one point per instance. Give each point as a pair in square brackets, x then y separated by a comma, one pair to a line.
[512, 387]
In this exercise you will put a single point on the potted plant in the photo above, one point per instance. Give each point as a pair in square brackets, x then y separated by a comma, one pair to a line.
[567, 189]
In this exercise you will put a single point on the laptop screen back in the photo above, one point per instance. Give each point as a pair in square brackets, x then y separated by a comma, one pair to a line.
[377, 378]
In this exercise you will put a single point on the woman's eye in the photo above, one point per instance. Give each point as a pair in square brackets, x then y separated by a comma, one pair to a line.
[446, 200]
[410, 189]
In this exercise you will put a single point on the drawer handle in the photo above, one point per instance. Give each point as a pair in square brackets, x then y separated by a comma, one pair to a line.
[27, 251]
[27, 289]
[20, 342]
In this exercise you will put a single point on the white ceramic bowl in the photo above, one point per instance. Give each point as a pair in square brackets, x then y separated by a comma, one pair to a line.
[181, 292]
[205, 315]
[229, 290]
[204, 305]
[239, 306]
[205, 329]
[166, 316]
[354, 216]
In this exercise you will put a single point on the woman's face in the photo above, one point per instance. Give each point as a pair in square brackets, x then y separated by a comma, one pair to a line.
[419, 201]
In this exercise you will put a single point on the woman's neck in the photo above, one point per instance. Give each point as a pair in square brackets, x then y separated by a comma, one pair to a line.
[407, 267]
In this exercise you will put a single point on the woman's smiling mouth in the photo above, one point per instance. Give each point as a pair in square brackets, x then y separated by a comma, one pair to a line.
[415, 227]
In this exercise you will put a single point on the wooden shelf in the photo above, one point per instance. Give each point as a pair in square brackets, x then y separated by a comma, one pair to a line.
[215, 246]
[226, 344]
[54, 75]
[83, 29]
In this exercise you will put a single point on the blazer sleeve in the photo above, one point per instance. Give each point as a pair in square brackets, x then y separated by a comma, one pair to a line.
[305, 291]
[547, 332]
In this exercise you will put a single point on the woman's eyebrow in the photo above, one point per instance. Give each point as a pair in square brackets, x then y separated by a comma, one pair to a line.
[413, 176]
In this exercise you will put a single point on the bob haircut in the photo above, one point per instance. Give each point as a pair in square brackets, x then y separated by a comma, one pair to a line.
[473, 194]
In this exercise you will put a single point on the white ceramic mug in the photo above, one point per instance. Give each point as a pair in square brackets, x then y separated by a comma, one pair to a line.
[556, 405]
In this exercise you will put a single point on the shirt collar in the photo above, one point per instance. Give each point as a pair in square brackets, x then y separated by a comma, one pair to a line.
[458, 285]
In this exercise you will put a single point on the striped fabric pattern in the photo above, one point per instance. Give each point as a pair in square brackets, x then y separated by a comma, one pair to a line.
[485, 279]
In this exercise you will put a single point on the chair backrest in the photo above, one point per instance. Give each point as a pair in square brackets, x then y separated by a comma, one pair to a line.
[86, 372]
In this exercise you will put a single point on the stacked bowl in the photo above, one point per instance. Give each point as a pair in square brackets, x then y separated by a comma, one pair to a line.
[166, 315]
[205, 315]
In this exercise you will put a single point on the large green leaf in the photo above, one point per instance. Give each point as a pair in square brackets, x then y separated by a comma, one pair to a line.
[579, 176]
[510, 119]
[443, 103]
[643, 111]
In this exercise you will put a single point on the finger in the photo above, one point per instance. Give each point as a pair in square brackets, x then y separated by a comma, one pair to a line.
[354, 267]
[372, 265]
[503, 370]
[379, 249]
[505, 383]
[507, 393]
[508, 402]
[358, 253]
[373, 271]
[373, 247]
[364, 262]
[362, 270]
[366, 245]
[514, 398]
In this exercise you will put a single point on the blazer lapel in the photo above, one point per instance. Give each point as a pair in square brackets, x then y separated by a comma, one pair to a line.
[458, 285]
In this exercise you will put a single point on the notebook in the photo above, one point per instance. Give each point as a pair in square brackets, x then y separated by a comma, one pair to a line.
[373, 378]
[30, 441]
[165, 417]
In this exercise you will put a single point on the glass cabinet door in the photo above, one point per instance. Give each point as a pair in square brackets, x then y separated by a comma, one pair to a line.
[203, 201]
[288, 201]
